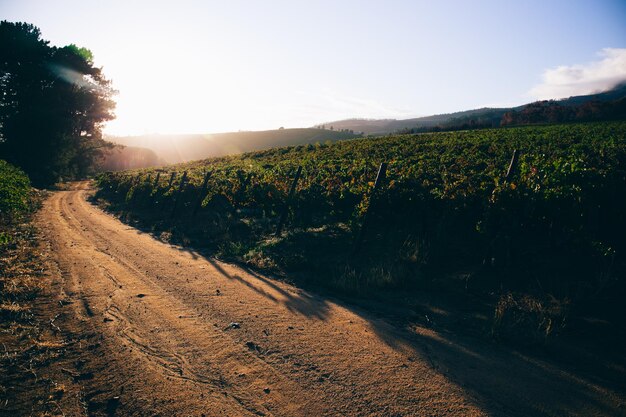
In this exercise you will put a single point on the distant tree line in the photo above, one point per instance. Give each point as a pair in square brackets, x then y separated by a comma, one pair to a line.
[53, 103]
[551, 111]
[333, 128]
[540, 112]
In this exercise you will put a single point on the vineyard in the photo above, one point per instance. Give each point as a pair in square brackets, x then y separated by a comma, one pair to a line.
[445, 213]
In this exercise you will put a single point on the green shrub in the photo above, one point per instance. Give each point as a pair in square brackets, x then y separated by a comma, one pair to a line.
[14, 191]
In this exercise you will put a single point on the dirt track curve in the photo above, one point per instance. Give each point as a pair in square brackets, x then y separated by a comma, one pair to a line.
[159, 316]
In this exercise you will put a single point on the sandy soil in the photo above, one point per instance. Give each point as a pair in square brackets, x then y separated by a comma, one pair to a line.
[155, 324]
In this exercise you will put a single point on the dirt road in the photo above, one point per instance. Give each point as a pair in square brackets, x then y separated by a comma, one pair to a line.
[174, 333]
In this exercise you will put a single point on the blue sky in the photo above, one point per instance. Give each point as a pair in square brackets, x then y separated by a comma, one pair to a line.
[209, 66]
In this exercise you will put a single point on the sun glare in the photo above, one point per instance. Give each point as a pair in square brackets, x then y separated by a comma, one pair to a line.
[184, 102]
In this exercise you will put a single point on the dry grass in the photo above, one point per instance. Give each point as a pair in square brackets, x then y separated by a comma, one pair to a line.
[27, 343]
[361, 279]
[527, 319]
[258, 259]
[12, 308]
[50, 344]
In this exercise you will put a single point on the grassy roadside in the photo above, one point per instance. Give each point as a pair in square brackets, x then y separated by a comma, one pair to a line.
[30, 340]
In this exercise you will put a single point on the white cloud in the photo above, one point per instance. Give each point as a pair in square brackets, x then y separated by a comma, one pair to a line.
[594, 77]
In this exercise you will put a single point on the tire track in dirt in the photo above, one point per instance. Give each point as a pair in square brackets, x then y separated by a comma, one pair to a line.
[86, 284]
[161, 348]
[163, 317]
[156, 336]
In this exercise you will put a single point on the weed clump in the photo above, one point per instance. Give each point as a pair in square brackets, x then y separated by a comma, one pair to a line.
[529, 320]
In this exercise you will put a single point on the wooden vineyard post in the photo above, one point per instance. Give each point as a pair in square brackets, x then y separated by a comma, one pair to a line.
[509, 174]
[169, 185]
[292, 190]
[503, 232]
[512, 165]
[180, 189]
[155, 187]
[133, 181]
[201, 193]
[380, 177]
[130, 194]
[247, 181]
[244, 181]
[145, 191]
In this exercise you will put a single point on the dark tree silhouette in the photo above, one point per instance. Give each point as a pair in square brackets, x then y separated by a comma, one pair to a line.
[53, 102]
[551, 111]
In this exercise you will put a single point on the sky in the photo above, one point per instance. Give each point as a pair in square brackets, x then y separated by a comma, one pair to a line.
[216, 66]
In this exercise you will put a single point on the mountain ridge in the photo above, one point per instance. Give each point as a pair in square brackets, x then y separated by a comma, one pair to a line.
[486, 114]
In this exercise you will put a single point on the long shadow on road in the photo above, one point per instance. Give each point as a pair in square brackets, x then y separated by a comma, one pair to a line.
[300, 302]
[502, 380]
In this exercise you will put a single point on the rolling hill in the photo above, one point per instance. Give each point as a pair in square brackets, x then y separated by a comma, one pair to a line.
[375, 127]
[183, 148]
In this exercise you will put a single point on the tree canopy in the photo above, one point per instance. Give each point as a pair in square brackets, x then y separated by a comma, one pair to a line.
[53, 103]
